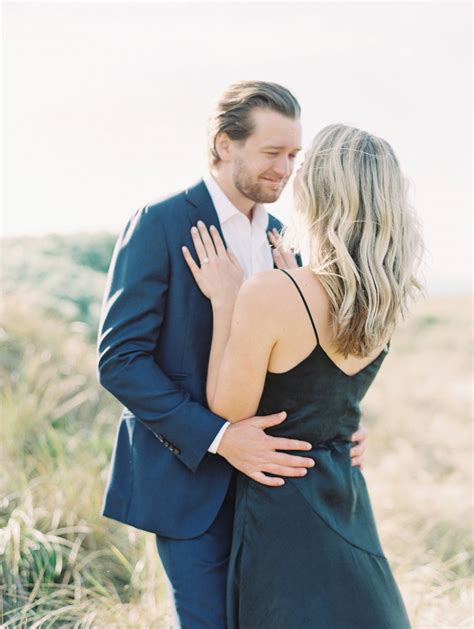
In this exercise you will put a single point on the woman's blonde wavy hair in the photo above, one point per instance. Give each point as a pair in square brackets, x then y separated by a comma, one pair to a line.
[364, 240]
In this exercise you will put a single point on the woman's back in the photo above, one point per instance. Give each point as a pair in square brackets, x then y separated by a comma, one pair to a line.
[321, 396]
[297, 337]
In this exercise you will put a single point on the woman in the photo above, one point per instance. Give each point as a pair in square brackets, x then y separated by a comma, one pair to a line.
[311, 340]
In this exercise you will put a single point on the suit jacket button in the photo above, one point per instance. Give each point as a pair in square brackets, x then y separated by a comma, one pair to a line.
[176, 451]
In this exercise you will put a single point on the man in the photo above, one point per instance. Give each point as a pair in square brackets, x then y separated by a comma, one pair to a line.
[173, 460]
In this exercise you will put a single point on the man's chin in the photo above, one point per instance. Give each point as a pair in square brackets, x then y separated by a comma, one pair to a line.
[270, 197]
[261, 194]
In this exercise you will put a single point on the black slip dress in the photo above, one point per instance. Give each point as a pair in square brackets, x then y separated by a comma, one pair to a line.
[307, 555]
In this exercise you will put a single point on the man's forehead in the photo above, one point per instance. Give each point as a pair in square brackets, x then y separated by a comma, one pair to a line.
[276, 130]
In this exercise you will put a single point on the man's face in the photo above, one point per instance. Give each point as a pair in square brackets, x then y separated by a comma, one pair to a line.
[263, 163]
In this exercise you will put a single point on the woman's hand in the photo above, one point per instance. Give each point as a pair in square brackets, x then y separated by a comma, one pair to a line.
[219, 275]
[284, 259]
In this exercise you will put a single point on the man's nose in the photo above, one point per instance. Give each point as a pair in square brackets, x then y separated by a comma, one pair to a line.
[283, 166]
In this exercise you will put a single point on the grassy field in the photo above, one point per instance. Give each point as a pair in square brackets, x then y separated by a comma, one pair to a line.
[62, 564]
[419, 467]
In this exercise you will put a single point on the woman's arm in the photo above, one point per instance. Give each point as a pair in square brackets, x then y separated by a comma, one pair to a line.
[221, 325]
[242, 332]
[242, 342]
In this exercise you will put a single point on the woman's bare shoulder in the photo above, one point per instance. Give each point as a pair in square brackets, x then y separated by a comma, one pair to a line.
[262, 285]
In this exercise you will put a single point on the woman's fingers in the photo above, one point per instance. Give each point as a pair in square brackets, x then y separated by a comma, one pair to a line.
[209, 245]
[218, 242]
[190, 262]
[278, 258]
[207, 240]
[274, 238]
[276, 235]
[283, 259]
[199, 246]
[278, 254]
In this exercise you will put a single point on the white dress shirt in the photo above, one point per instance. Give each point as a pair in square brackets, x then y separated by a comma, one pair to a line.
[246, 239]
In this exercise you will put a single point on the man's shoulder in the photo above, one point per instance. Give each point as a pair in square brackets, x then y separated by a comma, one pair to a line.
[167, 203]
[167, 207]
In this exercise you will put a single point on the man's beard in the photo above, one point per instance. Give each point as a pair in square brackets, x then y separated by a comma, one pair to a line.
[252, 188]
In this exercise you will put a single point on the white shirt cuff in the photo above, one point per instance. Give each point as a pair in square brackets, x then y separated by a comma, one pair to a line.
[217, 439]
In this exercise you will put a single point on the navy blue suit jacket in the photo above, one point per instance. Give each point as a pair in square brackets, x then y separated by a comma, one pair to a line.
[154, 344]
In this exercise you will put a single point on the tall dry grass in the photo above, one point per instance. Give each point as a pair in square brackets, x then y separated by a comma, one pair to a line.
[419, 467]
[62, 564]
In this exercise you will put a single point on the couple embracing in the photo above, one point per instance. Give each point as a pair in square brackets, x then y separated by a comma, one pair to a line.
[241, 371]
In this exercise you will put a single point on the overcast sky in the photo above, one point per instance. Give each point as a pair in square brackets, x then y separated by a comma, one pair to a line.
[105, 104]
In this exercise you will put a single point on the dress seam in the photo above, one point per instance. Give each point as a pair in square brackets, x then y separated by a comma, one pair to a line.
[369, 552]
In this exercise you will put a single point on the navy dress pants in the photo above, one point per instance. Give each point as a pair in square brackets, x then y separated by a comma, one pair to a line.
[197, 570]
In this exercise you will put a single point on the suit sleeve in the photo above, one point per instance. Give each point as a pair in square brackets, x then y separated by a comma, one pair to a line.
[132, 316]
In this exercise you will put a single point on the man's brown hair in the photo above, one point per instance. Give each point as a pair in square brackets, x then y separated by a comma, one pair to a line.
[232, 113]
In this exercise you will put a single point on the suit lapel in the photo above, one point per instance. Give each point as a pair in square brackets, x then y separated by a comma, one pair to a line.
[273, 222]
[200, 207]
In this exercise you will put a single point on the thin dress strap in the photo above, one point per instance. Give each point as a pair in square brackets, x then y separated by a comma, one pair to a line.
[304, 301]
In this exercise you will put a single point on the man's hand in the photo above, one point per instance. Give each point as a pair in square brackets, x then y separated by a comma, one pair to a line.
[249, 449]
[358, 451]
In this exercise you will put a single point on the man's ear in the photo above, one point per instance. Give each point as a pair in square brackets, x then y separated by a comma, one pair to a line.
[223, 146]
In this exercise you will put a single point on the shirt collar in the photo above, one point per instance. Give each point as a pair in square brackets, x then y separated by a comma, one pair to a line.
[226, 209]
